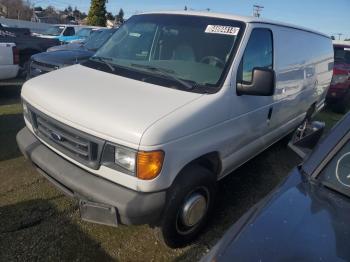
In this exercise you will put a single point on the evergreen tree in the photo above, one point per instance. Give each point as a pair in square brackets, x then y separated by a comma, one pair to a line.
[120, 17]
[109, 16]
[97, 13]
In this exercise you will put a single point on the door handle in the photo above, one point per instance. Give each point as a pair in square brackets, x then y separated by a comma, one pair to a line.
[269, 114]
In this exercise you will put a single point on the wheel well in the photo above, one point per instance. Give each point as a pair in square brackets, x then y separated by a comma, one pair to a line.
[210, 161]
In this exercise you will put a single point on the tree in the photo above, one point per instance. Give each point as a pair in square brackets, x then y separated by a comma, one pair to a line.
[97, 13]
[17, 9]
[185, 8]
[120, 17]
[109, 16]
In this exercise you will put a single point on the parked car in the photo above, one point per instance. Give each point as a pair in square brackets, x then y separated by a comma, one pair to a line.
[84, 33]
[171, 103]
[26, 44]
[76, 44]
[9, 60]
[339, 93]
[48, 61]
[306, 218]
[67, 33]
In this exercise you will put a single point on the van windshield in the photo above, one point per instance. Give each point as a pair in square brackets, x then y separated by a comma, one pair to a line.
[188, 49]
[98, 38]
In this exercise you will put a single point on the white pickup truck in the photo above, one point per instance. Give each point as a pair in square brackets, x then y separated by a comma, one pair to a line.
[9, 61]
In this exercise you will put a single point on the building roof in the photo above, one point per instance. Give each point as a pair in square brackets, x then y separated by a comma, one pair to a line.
[245, 19]
[3, 9]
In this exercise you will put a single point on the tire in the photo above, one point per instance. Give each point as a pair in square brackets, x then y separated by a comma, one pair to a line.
[340, 106]
[194, 182]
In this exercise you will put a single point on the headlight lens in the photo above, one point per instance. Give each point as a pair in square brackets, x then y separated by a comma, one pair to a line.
[145, 165]
[125, 158]
[25, 110]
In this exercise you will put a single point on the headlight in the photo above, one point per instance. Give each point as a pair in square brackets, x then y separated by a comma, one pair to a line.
[125, 158]
[145, 165]
[25, 110]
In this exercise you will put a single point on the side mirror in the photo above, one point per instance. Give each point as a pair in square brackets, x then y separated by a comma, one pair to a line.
[306, 138]
[263, 83]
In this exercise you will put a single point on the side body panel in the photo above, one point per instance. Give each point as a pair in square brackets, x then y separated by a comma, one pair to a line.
[303, 71]
[6, 55]
[7, 68]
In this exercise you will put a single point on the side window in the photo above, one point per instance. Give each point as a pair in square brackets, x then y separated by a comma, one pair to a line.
[69, 31]
[258, 53]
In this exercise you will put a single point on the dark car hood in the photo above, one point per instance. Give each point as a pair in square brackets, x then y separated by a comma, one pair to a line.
[301, 222]
[64, 57]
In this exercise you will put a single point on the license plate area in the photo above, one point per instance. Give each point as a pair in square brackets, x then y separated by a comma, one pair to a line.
[98, 213]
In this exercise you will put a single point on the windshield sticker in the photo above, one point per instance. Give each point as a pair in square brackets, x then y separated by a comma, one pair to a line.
[346, 49]
[135, 34]
[221, 29]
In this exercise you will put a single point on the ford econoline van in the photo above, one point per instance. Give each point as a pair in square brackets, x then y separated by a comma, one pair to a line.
[172, 103]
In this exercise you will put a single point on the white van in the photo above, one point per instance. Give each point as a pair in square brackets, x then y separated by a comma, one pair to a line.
[172, 103]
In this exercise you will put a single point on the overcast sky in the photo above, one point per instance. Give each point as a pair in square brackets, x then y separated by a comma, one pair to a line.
[328, 16]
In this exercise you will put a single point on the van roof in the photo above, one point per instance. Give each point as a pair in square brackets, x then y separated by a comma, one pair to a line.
[341, 43]
[246, 19]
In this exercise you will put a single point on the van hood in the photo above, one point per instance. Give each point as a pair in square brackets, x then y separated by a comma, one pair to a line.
[105, 105]
[63, 57]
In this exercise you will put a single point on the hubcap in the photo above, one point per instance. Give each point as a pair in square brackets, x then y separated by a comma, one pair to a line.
[194, 209]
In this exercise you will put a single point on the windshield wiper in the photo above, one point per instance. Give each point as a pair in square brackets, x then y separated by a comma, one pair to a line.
[166, 73]
[103, 60]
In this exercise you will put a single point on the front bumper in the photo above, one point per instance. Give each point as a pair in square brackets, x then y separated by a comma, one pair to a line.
[132, 207]
[336, 94]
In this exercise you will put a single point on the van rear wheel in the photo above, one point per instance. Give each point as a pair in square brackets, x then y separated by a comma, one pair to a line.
[190, 201]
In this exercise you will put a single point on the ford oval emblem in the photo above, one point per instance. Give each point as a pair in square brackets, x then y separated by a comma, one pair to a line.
[56, 137]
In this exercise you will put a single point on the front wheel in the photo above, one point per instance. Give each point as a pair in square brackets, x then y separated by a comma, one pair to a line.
[190, 201]
[342, 105]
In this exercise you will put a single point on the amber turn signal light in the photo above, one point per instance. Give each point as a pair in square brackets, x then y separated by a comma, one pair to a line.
[149, 164]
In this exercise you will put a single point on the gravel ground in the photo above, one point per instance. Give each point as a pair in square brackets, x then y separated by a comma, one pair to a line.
[38, 223]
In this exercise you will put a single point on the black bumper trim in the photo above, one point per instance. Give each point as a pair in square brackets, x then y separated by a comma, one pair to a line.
[133, 207]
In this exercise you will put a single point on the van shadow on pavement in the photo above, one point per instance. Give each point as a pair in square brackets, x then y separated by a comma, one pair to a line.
[9, 127]
[35, 231]
[10, 95]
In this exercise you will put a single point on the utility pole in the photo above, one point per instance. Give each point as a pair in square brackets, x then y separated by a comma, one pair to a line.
[257, 10]
[339, 35]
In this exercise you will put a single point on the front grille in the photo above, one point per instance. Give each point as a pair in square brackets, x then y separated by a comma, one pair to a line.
[80, 146]
[42, 67]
